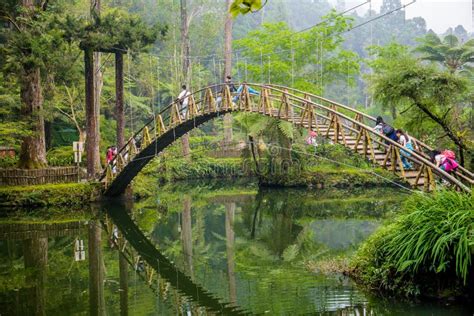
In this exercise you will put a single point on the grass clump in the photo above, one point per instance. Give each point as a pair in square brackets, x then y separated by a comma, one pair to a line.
[426, 251]
[62, 194]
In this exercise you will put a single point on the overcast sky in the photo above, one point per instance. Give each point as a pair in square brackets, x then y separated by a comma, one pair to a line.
[438, 14]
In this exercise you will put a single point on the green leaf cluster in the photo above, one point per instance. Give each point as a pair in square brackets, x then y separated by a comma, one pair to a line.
[426, 250]
[244, 6]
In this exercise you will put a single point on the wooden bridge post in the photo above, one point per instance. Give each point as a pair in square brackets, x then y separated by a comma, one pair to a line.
[227, 98]
[109, 177]
[132, 150]
[264, 104]
[146, 139]
[192, 110]
[359, 118]
[309, 115]
[209, 102]
[427, 173]
[175, 117]
[336, 126]
[393, 154]
[366, 143]
[160, 125]
[245, 102]
[285, 107]
[120, 162]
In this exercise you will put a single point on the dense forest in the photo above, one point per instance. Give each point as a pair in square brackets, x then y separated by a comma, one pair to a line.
[52, 52]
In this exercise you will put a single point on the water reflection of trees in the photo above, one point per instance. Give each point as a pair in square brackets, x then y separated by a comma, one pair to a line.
[269, 233]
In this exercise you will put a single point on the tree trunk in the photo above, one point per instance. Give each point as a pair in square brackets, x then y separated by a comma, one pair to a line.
[33, 148]
[92, 136]
[227, 69]
[98, 83]
[450, 133]
[119, 109]
[185, 43]
[36, 258]
[254, 157]
[185, 52]
[461, 155]
[230, 241]
[186, 236]
[123, 272]
[47, 134]
[394, 112]
[96, 271]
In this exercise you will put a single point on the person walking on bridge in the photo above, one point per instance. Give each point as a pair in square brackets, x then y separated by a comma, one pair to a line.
[183, 99]
[406, 142]
[383, 128]
[230, 84]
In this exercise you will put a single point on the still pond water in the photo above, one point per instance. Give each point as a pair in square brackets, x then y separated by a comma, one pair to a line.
[197, 249]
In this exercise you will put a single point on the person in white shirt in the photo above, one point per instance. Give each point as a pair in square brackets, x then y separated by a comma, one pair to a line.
[183, 100]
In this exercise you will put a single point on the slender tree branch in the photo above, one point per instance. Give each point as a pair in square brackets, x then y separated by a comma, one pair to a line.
[12, 21]
[406, 110]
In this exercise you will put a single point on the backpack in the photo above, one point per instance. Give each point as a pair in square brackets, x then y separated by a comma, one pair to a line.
[450, 165]
[449, 154]
[387, 129]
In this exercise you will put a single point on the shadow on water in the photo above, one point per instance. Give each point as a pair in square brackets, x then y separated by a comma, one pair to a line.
[166, 269]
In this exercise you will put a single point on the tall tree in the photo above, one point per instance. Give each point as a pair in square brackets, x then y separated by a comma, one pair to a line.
[96, 269]
[33, 147]
[426, 93]
[227, 67]
[185, 52]
[94, 88]
[119, 108]
[449, 52]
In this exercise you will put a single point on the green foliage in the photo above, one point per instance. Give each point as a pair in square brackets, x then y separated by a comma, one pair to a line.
[423, 93]
[449, 52]
[275, 53]
[245, 6]
[60, 156]
[114, 31]
[426, 251]
[8, 162]
[69, 194]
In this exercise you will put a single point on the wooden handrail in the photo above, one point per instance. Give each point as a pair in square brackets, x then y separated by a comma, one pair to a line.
[419, 142]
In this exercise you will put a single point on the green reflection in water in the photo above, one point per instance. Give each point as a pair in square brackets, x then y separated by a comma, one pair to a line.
[246, 246]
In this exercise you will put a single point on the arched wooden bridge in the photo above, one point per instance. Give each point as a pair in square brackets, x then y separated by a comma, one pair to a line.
[338, 122]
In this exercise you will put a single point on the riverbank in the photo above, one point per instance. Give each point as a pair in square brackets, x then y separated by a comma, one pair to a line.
[63, 194]
[426, 250]
[316, 176]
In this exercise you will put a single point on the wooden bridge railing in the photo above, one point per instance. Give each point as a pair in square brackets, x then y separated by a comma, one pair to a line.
[462, 172]
[300, 110]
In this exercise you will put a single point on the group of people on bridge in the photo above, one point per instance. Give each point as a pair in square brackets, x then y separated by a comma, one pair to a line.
[183, 97]
[446, 159]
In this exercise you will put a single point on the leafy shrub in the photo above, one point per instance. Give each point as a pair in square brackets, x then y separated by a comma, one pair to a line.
[8, 162]
[60, 156]
[71, 194]
[427, 250]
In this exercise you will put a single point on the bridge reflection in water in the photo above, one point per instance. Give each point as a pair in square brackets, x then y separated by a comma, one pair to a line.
[215, 252]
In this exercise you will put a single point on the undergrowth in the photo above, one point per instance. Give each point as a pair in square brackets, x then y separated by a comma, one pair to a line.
[427, 251]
